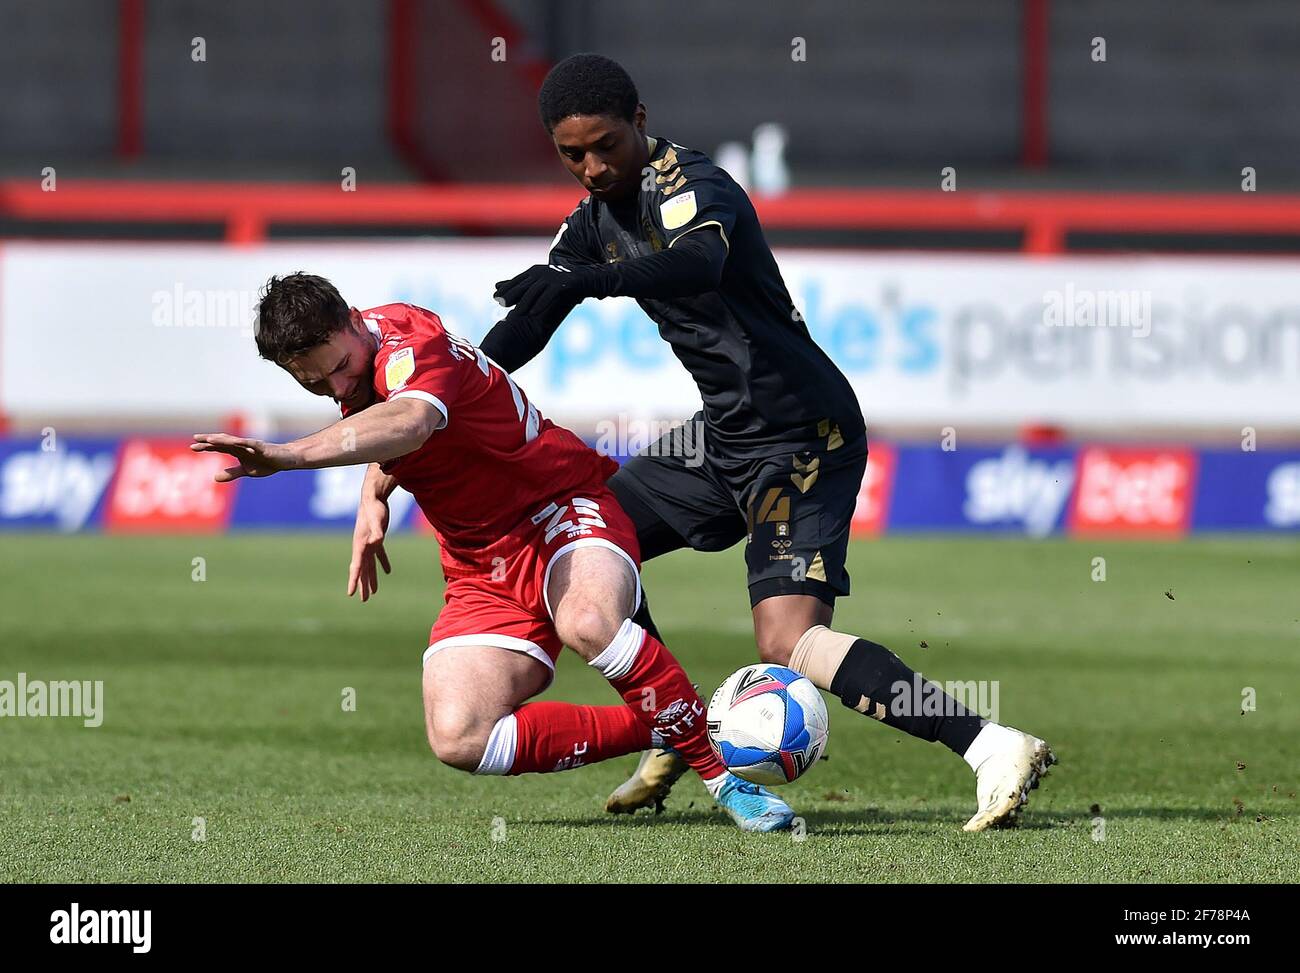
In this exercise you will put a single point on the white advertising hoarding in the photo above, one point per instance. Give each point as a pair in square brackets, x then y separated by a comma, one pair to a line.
[136, 329]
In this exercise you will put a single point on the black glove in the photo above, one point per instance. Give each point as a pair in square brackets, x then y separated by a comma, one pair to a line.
[540, 288]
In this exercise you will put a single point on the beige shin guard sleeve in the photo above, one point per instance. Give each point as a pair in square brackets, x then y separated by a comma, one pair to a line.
[819, 653]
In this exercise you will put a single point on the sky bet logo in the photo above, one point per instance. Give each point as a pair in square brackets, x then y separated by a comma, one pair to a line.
[75, 926]
[1017, 488]
[58, 488]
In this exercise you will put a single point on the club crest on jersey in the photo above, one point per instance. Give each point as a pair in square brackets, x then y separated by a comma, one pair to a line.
[678, 212]
[400, 367]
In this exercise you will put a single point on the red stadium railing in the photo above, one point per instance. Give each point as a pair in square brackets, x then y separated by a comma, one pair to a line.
[1035, 43]
[247, 210]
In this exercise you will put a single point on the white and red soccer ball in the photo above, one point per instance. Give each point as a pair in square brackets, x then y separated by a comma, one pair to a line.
[767, 723]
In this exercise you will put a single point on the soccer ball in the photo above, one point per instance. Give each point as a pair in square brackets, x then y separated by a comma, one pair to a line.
[767, 723]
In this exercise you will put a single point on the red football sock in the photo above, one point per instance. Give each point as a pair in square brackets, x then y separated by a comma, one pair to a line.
[554, 736]
[658, 691]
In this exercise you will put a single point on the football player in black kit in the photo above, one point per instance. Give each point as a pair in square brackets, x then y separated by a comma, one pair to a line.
[784, 442]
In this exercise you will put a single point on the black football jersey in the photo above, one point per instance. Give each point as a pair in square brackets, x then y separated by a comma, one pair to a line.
[766, 386]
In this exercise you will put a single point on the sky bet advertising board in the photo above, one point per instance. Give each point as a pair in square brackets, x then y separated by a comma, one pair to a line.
[138, 485]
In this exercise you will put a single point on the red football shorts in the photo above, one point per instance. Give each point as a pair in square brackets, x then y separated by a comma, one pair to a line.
[503, 603]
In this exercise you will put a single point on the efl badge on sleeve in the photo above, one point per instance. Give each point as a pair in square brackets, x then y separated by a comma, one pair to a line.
[678, 212]
[400, 367]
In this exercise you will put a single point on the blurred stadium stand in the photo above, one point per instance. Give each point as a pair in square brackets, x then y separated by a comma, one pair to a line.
[889, 92]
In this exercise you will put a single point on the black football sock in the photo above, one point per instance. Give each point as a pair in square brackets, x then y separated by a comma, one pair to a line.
[873, 680]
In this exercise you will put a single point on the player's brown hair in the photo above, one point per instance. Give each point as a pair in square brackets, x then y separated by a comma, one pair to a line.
[296, 313]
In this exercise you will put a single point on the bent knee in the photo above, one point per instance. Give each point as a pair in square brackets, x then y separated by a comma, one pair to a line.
[587, 629]
[463, 753]
[775, 648]
[457, 740]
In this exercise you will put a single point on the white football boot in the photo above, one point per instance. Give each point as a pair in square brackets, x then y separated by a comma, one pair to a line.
[1008, 764]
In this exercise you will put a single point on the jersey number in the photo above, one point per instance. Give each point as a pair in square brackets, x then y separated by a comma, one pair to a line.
[526, 411]
[586, 511]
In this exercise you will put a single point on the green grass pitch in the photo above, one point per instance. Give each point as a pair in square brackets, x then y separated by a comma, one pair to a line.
[223, 701]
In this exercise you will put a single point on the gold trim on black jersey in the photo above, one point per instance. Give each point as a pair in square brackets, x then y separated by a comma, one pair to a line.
[699, 226]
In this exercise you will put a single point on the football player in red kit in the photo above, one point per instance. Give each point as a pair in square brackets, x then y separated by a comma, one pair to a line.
[535, 549]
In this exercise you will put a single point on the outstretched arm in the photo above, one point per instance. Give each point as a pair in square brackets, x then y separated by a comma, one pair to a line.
[382, 432]
[692, 265]
[544, 294]
[518, 338]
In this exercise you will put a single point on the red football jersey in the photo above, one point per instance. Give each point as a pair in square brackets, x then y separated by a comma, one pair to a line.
[496, 462]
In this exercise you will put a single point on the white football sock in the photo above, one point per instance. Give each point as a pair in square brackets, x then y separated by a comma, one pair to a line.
[714, 784]
[988, 741]
[615, 661]
[499, 754]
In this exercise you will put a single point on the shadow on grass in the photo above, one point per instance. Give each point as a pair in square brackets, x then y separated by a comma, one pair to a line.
[840, 822]
[876, 821]
[1221, 814]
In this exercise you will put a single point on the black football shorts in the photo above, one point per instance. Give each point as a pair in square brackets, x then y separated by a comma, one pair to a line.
[793, 510]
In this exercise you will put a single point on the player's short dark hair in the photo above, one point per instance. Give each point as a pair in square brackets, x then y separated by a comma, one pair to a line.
[296, 313]
[586, 84]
